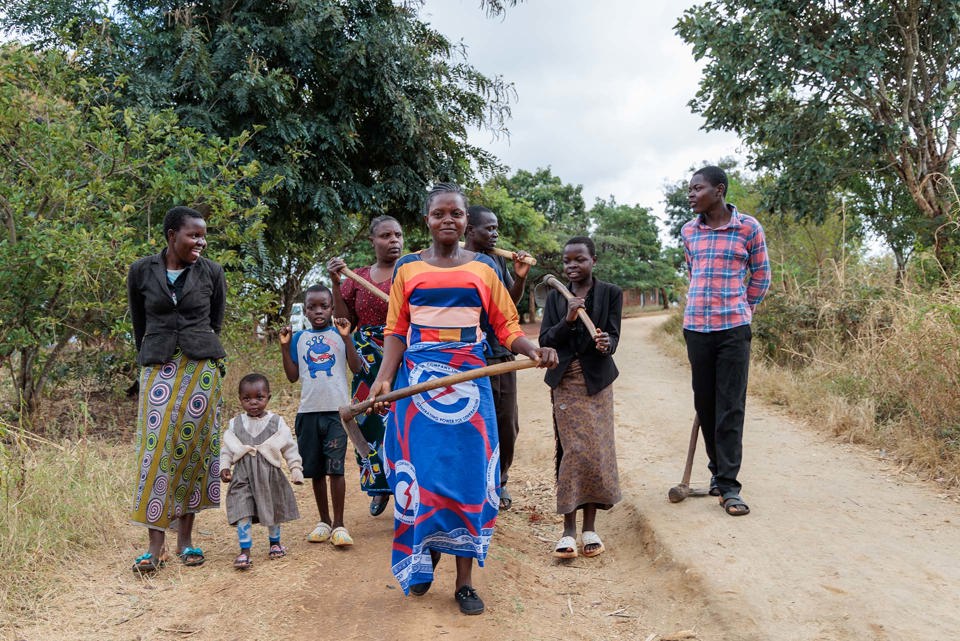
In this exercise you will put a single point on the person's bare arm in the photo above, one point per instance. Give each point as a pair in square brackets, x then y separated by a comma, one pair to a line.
[546, 357]
[289, 367]
[520, 271]
[353, 357]
[392, 353]
[341, 308]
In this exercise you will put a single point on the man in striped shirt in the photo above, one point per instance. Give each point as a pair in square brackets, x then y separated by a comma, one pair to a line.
[721, 246]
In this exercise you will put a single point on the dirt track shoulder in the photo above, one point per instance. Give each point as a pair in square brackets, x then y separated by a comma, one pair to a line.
[835, 548]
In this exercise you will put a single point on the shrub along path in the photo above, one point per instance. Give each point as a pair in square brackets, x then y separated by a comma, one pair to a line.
[836, 548]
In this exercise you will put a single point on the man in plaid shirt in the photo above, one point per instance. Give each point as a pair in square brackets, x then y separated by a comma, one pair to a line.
[721, 245]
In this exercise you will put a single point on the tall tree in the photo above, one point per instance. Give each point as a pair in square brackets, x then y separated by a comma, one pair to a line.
[628, 244]
[560, 204]
[83, 189]
[356, 104]
[828, 89]
[522, 226]
[886, 208]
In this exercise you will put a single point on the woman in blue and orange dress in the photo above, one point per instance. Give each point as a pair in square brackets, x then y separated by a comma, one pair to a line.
[441, 447]
[368, 314]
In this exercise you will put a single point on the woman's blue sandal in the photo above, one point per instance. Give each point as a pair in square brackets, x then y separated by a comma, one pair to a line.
[192, 557]
[147, 564]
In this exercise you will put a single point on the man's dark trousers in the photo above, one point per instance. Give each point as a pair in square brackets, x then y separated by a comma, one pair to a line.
[720, 363]
[504, 388]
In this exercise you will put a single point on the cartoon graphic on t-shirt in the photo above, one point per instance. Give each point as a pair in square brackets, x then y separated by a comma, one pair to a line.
[318, 357]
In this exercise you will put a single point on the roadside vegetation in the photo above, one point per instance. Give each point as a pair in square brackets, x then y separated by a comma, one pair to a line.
[110, 113]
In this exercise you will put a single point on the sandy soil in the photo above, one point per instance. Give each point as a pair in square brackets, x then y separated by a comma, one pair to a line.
[837, 548]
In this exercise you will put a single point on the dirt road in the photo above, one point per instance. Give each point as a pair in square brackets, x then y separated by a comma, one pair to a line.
[836, 549]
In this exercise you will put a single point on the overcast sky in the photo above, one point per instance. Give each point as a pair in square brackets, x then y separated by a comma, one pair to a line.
[602, 88]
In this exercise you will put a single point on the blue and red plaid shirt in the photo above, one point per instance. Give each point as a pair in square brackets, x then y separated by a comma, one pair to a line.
[718, 261]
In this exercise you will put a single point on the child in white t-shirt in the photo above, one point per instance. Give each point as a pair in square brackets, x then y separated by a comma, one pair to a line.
[318, 357]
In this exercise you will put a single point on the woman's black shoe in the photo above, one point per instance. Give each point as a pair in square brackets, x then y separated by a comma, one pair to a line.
[419, 589]
[470, 602]
[378, 504]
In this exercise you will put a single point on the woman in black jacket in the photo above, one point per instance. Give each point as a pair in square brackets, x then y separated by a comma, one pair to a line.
[177, 303]
[582, 395]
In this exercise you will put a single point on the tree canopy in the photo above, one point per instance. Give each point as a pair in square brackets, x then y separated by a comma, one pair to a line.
[827, 91]
[628, 246]
[356, 105]
[83, 188]
[561, 206]
[626, 236]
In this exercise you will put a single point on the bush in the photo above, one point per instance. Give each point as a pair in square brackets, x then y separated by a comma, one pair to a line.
[878, 365]
[83, 188]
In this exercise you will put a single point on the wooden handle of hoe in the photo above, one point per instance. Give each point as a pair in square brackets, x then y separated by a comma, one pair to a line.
[581, 313]
[678, 493]
[363, 282]
[691, 450]
[506, 253]
[348, 413]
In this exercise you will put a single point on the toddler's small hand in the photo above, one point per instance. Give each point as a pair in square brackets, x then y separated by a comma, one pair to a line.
[225, 475]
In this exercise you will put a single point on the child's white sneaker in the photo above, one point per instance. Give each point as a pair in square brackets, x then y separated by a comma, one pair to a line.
[320, 533]
[341, 538]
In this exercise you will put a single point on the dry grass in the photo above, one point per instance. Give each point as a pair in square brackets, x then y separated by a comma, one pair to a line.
[880, 370]
[64, 488]
[58, 501]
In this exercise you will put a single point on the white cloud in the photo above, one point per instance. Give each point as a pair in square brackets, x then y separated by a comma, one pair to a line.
[602, 91]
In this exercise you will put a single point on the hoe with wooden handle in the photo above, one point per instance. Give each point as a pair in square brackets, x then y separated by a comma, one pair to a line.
[679, 492]
[506, 253]
[581, 313]
[363, 282]
[348, 413]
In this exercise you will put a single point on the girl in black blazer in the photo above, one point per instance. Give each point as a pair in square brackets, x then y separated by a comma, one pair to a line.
[177, 303]
[582, 396]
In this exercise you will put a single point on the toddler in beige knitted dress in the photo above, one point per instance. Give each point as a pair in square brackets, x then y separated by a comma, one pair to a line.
[254, 446]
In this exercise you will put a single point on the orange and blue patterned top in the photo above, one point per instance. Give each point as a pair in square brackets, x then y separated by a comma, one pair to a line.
[449, 304]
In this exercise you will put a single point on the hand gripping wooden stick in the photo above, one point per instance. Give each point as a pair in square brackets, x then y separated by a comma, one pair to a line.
[679, 492]
[348, 413]
[506, 253]
[363, 282]
[581, 313]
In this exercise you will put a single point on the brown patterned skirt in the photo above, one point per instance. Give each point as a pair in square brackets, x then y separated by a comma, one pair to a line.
[586, 452]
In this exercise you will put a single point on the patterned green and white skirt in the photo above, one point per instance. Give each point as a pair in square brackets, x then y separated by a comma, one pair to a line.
[178, 440]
